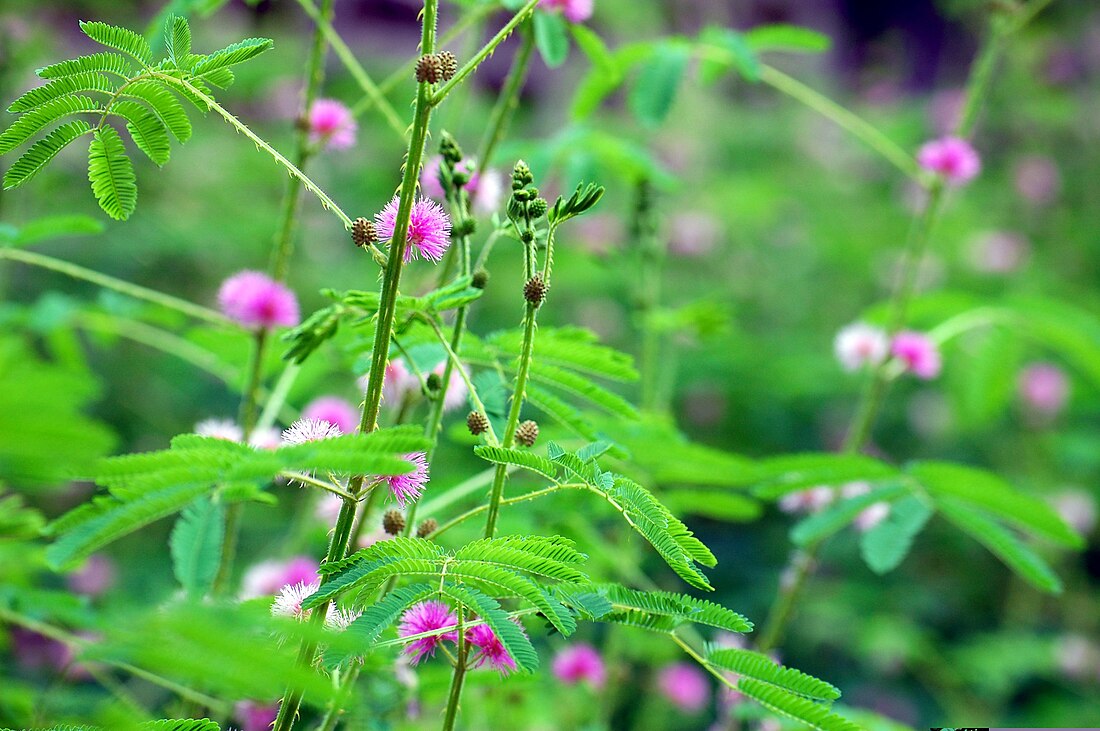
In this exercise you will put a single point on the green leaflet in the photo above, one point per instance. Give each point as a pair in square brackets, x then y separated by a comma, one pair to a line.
[551, 38]
[814, 715]
[885, 546]
[112, 174]
[835, 517]
[757, 666]
[675, 609]
[119, 39]
[658, 80]
[31, 162]
[510, 634]
[518, 457]
[777, 476]
[196, 545]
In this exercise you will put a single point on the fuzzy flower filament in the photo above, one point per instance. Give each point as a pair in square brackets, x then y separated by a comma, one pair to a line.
[427, 617]
[429, 232]
[408, 487]
[331, 124]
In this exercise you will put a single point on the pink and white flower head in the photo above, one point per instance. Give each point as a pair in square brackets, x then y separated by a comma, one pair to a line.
[309, 430]
[289, 601]
[1037, 179]
[807, 501]
[94, 578]
[426, 617]
[998, 252]
[331, 124]
[918, 354]
[580, 663]
[408, 487]
[338, 619]
[219, 429]
[871, 516]
[265, 437]
[1077, 508]
[455, 395]
[429, 228]
[491, 650]
[860, 344]
[952, 158]
[255, 716]
[575, 11]
[685, 686]
[335, 411]
[1044, 388]
[257, 301]
[267, 578]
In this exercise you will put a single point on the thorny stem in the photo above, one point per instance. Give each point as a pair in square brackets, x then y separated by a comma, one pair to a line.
[507, 101]
[803, 562]
[458, 678]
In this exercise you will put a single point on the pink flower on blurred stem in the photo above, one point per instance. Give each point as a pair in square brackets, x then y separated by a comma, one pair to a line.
[268, 577]
[429, 228]
[331, 124]
[998, 252]
[257, 301]
[255, 716]
[807, 501]
[1044, 388]
[491, 649]
[950, 157]
[95, 577]
[1077, 508]
[408, 487]
[580, 663]
[425, 617]
[309, 430]
[488, 192]
[1037, 180]
[575, 11]
[219, 429]
[860, 344]
[685, 686]
[335, 411]
[455, 395]
[33, 651]
[918, 354]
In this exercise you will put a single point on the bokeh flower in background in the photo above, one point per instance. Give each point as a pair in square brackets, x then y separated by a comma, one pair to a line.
[257, 301]
[952, 158]
[335, 411]
[1043, 388]
[255, 716]
[1037, 179]
[580, 663]
[94, 578]
[918, 354]
[859, 345]
[267, 578]
[685, 686]
[575, 11]
[998, 252]
[331, 124]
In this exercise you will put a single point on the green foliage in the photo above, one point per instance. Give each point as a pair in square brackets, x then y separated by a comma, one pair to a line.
[885, 546]
[760, 667]
[814, 715]
[659, 611]
[142, 95]
[821, 525]
[196, 545]
[658, 80]
[47, 228]
[777, 476]
[551, 38]
[509, 633]
[723, 48]
[518, 457]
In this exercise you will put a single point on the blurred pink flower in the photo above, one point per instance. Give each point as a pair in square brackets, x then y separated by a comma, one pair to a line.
[1077, 508]
[580, 663]
[998, 252]
[331, 124]
[807, 501]
[335, 411]
[694, 234]
[871, 516]
[257, 301]
[685, 686]
[429, 228]
[1037, 179]
[918, 354]
[396, 384]
[945, 108]
[1044, 388]
[408, 487]
[455, 395]
[309, 430]
[951, 157]
[219, 429]
[33, 651]
[425, 617]
[860, 344]
[265, 437]
[267, 578]
[255, 716]
[491, 650]
[433, 186]
[575, 11]
[95, 577]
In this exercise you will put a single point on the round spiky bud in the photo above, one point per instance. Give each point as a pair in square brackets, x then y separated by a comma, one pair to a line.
[427, 527]
[433, 382]
[463, 227]
[429, 69]
[393, 522]
[363, 232]
[448, 65]
[480, 279]
[521, 175]
[449, 149]
[527, 432]
[477, 423]
[535, 290]
[527, 236]
[537, 208]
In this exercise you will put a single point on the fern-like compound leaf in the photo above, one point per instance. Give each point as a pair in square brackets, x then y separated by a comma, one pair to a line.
[73, 84]
[519, 458]
[120, 39]
[757, 666]
[815, 715]
[146, 130]
[105, 62]
[232, 55]
[177, 41]
[30, 123]
[164, 105]
[509, 633]
[112, 174]
[40, 153]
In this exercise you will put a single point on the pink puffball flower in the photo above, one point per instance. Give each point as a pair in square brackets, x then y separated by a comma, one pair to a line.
[1044, 388]
[289, 601]
[309, 430]
[257, 301]
[860, 344]
[426, 617]
[335, 411]
[408, 487]
[484, 186]
[331, 124]
[255, 716]
[685, 686]
[429, 228]
[575, 11]
[219, 429]
[94, 578]
[267, 578]
[455, 395]
[580, 663]
[952, 158]
[397, 383]
[918, 354]
[694, 234]
[491, 650]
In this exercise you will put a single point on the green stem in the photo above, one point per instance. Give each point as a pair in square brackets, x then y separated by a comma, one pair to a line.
[482, 508]
[131, 290]
[507, 101]
[458, 678]
[470, 66]
[851, 123]
[323, 22]
[651, 250]
[336, 706]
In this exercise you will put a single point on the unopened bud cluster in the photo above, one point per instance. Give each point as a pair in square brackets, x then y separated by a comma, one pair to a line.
[534, 291]
[363, 232]
[427, 527]
[477, 423]
[435, 67]
[393, 522]
[527, 432]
